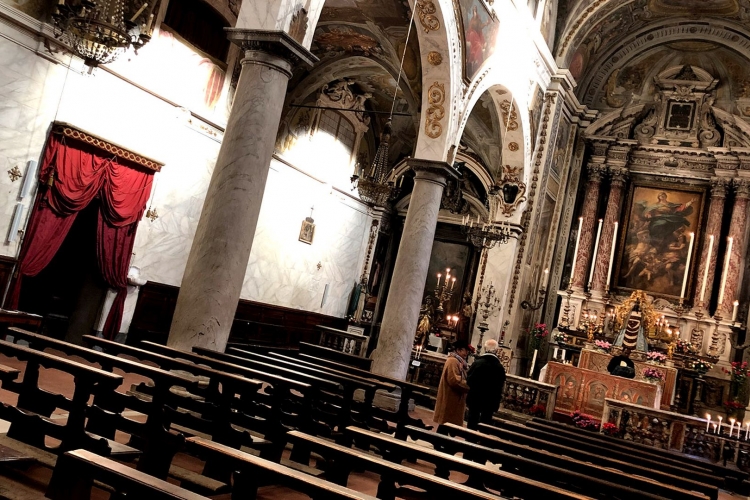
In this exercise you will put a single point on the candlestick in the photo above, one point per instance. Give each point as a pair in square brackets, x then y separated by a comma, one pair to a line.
[575, 253]
[612, 255]
[687, 265]
[727, 258]
[533, 362]
[708, 421]
[596, 250]
[708, 264]
[734, 311]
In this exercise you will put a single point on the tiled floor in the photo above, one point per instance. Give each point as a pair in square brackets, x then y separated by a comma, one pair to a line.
[36, 478]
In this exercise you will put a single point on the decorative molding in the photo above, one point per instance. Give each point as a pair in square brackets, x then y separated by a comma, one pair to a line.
[513, 146]
[436, 112]
[72, 132]
[426, 12]
[510, 116]
[298, 26]
[434, 58]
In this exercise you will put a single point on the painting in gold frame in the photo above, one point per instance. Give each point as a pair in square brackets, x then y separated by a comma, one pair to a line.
[655, 239]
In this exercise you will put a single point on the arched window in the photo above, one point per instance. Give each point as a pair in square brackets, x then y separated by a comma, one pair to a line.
[338, 127]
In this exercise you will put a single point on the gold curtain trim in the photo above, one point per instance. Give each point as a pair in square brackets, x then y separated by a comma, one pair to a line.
[78, 134]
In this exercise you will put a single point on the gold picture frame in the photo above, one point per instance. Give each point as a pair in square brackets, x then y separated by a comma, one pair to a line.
[307, 231]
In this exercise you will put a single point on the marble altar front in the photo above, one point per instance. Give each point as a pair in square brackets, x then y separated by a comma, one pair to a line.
[585, 390]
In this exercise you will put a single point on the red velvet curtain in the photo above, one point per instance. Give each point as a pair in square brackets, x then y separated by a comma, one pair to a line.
[79, 173]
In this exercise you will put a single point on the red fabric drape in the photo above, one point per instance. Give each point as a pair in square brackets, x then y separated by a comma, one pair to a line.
[81, 172]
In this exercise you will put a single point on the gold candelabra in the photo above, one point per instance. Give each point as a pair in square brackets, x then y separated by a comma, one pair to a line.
[444, 293]
[591, 323]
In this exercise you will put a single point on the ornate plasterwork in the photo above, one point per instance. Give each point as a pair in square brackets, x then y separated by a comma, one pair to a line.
[436, 112]
[426, 13]
[434, 58]
[510, 116]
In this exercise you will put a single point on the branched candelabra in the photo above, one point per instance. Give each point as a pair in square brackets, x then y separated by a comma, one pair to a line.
[591, 324]
[488, 303]
[487, 234]
[444, 293]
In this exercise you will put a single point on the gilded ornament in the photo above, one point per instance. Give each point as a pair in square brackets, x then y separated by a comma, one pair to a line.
[426, 12]
[436, 111]
[434, 58]
[513, 146]
[510, 116]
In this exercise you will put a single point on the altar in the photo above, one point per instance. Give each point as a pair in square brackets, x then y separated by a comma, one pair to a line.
[585, 390]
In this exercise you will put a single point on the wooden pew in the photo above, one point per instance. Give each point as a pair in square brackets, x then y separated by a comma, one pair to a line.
[507, 479]
[76, 471]
[408, 391]
[334, 355]
[638, 449]
[342, 460]
[30, 418]
[350, 383]
[105, 416]
[706, 485]
[549, 467]
[252, 472]
[703, 475]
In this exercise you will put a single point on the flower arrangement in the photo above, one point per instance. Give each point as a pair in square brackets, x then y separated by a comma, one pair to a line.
[610, 429]
[656, 357]
[583, 421]
[559, 336]
[603, 345]
[685, 347]
[653, 375]
[702, 366]
[538, 411]
[738, 371]
[733, 406]
[538, 334]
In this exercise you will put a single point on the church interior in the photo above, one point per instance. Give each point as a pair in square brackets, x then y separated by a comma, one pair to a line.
[259, 248]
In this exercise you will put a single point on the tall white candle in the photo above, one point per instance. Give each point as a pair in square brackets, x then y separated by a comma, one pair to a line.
[554, 355]
[533, 362]
[612, 255]
[727, 259]
[708, 264]
[731, 426]
[708, 420]
[575, 253]
[687, 265]
[747, 431]
[734, 310]
[596, 250]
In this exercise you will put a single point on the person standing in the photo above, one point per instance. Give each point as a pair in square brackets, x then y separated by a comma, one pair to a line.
[486, 380]
[451, 397]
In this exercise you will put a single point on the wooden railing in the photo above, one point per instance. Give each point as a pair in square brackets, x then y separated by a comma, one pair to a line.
[527, 396]
[677, 432]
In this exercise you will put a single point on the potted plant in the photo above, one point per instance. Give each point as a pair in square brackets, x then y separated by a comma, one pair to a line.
[653, 375]
[701, 366]
[733, 408]
[559, 337]
[610, 429]
[586, 422]
[603, 346]
[656, 358]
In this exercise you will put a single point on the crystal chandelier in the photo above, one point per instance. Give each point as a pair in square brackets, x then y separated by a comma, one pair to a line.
[374, 187]
[483, 234]
[100, 30]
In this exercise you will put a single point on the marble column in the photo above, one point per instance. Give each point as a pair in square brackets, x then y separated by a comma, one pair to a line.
[713, 227]
[580, 274]
[401, 314]
[737, 231]
[612, 215]
[218, 258]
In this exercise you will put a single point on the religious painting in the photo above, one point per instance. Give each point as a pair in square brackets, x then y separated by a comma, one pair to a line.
[535, 114]
[595, 394]
[307, 231]
[567, 391]
[657, 239]
[480, 30]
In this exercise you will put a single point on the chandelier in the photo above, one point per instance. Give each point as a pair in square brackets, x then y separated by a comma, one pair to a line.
[100, 30]
[487, 234]
[374, 187]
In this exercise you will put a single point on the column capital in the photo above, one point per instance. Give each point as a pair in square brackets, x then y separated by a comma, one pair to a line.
[432, 170]
[267, 47]
[595, 171]
[618, 175]
[719, 186]
[741, 187]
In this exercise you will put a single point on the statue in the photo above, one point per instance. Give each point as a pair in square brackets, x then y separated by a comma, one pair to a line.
[424, 327]
[632, 335]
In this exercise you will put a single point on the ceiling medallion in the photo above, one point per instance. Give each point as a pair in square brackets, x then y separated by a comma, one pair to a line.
[434, 58]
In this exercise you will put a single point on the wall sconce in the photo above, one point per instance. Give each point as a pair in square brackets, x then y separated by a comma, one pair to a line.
[513, 190]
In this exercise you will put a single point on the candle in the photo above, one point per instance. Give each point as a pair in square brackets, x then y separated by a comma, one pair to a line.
[533, 362]
[596, 249]
[438, 283]
[132, 19]
[747, 431]
[687, 265]
[731, 426]
[708, 264]
[708, 420]
[575, 253]
[453, 282]
[149, 23]
[562, 355]
[720, 425]
[727, 258]
[715, 431]
[734, 311]
[554, 355]
[612, 255]
[545, 279]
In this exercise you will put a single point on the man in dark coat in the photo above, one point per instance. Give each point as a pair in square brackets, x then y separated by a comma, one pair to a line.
[486, 381]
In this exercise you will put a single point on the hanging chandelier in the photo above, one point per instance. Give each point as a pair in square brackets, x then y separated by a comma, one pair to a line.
[487, 234]
[100, 30]
[374, 187]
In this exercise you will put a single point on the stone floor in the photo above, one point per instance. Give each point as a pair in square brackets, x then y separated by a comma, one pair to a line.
[32, 483]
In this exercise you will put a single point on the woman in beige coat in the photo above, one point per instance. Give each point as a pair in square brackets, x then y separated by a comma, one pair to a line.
[451, 396]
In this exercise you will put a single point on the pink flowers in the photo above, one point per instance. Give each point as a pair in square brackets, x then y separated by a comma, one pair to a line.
[603, 345]
[653, 375]
[656, 356]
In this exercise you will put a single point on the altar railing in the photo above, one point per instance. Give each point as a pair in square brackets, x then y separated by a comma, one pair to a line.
[529, 397]
[674, 431]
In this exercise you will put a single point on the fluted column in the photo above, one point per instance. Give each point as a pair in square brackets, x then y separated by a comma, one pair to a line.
[737, 230]
[713, 228]
[612, 215]
[579, 275]
[401, 313]
[217, 263]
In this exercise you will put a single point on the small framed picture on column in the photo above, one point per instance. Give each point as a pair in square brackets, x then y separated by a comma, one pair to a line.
[307, 232]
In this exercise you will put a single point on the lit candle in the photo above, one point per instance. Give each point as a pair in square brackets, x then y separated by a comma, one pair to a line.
[747, 431]
[612, 255]
[734, 311]
[149, 23]
[453, 282]
[687, 265]
[545, 279]
[596, 250]
[708, 420]
[554, 354]
[731, 426]
[727, 258]
[715, 429]
[438, 283]
[708, 264]
[720, 425]
[575, 253]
